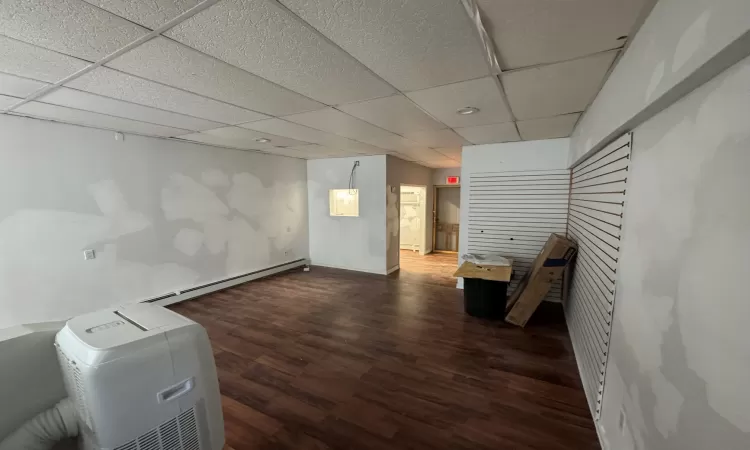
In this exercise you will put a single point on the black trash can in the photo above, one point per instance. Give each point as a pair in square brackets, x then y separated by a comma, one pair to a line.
[485, 299]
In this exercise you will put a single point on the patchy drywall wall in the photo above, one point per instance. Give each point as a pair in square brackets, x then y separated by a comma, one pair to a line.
[404, 172]
[677, 38]
[161, 215]
[354, 243]
[679, 359]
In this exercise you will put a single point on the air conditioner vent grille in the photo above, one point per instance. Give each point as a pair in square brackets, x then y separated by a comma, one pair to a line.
[178, 433]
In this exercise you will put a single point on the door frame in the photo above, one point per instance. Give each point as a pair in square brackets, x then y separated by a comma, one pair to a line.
[434, 215]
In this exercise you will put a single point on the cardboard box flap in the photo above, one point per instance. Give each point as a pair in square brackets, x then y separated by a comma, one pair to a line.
[493, 273]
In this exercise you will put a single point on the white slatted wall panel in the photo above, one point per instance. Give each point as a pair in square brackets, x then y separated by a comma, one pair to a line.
[513, 213]
[597, 202]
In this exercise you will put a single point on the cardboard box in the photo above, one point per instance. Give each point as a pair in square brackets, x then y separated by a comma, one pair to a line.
[548, 266]
[488, 272]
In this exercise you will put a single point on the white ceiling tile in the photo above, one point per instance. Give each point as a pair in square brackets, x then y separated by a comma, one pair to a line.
[243, 133]
[26, 60]
[7, 101]
[105, 105]
[533, 32]
[228, 137]
[151, 14]
[436, 138]
[318, 151]
[548, 127]
[443, 101]
[395, 113]
[342, 124]
[281, 127]
[441, 164]
[87, 118]
[283, 151]
[423, 154]
[218, 141]
[561, 88]
[112, 83]
[412, 44]
[490, 134]
[262, 37]
[245, 139]
[450, 152]
[72, 27]
[175, 64]
[17, 86]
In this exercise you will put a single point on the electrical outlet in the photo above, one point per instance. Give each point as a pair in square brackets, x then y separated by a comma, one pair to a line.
[89, 254]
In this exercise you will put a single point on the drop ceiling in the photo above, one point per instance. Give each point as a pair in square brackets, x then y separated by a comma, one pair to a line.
[312, 78]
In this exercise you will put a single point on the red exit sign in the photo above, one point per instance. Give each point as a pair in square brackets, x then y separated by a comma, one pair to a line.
[452, 180]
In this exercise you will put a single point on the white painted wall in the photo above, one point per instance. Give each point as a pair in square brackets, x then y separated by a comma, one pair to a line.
[162, 215]
[403, 172]
[511, 156]
[677, 38]
[679, 359]
[353, 243]
[439, 175]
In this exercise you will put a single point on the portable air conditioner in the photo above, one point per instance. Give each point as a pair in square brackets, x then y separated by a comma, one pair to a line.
[142, 378]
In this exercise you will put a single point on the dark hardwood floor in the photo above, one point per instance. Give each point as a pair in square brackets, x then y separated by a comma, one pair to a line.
[345, 360]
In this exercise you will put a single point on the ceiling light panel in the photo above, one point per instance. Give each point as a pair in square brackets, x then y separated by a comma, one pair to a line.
[112, 83]
[87, 118]
[548, 127]
[151, 14]
[412, 44]
[72, 27]
[175, 64]
[556, 89]
[26, 60]
[264, 38]
[17, 86]
[337, 122]
[7, 101]
[442, 102]
[281, 127]
[545, 31]
[395, 113]
[490, 134]
[105, 105]
[436, 138]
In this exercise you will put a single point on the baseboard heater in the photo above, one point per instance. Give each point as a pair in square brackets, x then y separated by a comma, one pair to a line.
[195, 291]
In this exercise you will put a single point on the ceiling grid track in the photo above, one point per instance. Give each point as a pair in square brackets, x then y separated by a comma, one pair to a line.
[401, 91]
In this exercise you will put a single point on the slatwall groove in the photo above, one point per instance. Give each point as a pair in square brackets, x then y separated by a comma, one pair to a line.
[595, 215]
[513, 213]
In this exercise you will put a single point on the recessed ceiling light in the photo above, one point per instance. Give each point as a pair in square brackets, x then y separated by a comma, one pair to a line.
[467, 110]
[263, 140]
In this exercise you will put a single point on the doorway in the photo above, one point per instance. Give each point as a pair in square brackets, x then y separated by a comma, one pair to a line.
[412, 223]
[446, 217]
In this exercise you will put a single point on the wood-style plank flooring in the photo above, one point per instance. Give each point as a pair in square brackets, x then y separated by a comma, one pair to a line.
[435, 268]
[345, 360]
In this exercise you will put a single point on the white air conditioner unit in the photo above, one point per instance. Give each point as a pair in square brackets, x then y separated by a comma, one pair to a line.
[142, 378]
